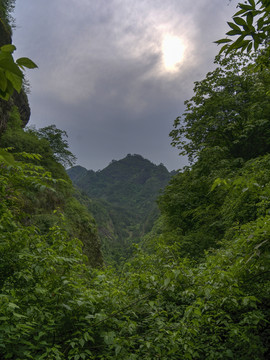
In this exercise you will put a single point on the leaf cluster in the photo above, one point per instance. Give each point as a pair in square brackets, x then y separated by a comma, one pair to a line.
[11, 75]
[58, 143]
[38, 203]
[229, 110]
[250, 24]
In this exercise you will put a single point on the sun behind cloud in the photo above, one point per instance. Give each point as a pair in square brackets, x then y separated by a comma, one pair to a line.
[173, 50]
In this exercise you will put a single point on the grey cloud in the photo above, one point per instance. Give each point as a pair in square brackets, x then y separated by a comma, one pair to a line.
[100, 74]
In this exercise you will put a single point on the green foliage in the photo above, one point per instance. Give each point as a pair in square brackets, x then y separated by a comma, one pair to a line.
[122, 200]
[191, 212]
[58, 143]
[81, 224]
[229, 110]
[39, 274]
[11, 76]
[160, 305]
[53, 151]
[250, 24]
[225, 129]
[39, 207]
[196, 287]
[125, 183]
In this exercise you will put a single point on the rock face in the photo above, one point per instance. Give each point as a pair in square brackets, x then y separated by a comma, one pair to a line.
[5, 107]
[21, 101]
[5, 35]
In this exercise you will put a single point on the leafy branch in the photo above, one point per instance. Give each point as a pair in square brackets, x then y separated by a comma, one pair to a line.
[250, 24]
[11, 75]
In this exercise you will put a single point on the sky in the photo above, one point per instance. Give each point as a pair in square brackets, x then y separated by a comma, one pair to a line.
[114, 74]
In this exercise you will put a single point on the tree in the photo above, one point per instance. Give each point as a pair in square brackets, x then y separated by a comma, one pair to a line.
[226, 124]
[229, 111]
[58, 143]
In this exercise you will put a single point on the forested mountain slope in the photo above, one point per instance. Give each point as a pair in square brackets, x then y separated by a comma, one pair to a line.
[43, 205]
[122, 198]
[132, 182]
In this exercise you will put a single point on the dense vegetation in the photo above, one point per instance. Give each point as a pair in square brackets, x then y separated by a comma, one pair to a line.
[122, 198]
[42, 208]
[197, 286]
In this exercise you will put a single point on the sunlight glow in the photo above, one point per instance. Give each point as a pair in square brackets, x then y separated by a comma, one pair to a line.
[173, 52]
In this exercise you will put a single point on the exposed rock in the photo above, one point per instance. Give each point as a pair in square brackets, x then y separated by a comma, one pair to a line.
[5, 107]
[5, 35]
[21, 101]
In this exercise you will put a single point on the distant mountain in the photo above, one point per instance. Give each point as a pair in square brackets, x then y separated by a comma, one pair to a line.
[122, 198]
[76, 172]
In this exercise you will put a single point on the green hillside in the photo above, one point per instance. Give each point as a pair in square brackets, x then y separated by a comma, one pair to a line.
[122, 198]
[32, 171]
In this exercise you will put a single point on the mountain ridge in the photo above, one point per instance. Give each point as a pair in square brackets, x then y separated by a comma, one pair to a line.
[126, 176]
[122, 198]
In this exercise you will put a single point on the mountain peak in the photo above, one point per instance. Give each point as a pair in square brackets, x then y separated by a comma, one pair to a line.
[124, 178]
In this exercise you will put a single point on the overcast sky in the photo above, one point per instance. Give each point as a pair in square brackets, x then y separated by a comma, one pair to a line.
[115, 74]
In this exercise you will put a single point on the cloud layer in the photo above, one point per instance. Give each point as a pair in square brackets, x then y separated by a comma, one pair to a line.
[101, 73]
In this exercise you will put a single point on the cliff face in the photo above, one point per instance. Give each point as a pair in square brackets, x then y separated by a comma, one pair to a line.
[5, 107]
[5, 33]
[20, 100]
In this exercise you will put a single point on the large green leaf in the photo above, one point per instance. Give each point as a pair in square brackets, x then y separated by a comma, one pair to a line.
[7, 63]
[239, 21]
[234, 26]
[223, 41]
[250, 19]
[234, 32]
[15, 80]
[8, 48]
[25, 62]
